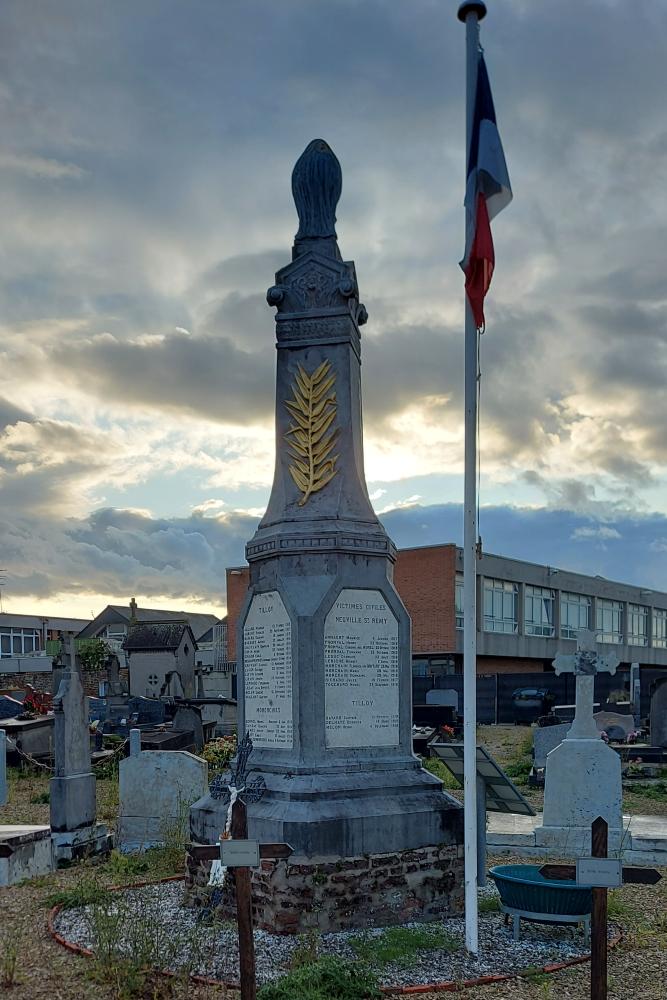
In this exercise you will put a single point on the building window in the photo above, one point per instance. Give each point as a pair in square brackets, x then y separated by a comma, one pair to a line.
[575, 614]
[539, 610]
[19, 641]
[115, 632]
[609, 621]
[500, 605]
[637, 625]
[420, 668]
[660, 627]
[459, 600]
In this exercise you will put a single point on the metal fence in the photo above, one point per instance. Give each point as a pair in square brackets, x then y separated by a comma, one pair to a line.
[494, 691]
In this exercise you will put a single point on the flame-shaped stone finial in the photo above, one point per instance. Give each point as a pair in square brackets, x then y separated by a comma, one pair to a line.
[317, 182]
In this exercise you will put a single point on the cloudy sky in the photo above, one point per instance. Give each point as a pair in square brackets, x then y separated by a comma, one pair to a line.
[145, 204]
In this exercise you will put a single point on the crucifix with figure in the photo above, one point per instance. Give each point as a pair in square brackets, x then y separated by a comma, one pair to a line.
[583, 776]
[239, 854]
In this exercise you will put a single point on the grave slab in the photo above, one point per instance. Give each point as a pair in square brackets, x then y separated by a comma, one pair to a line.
[546, 739]
[25, 852]
[156, 789]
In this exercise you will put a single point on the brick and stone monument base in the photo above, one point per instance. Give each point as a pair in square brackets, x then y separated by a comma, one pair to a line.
[335, 894]
[324, 652]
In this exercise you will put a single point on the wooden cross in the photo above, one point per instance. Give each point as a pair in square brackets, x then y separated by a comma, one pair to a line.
[238, 792]
[585, 664]
[601, 873]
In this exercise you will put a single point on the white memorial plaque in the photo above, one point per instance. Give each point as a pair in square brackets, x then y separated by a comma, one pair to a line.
[239, 853]
[605, 873]
[267, 672]
[361, 684]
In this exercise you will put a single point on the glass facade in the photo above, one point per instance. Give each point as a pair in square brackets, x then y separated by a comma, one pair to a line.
[637, 625]
[538, 612]
[660, 628]
[500, 605]
[459, 600]
[609, 620]
[19, 641]
[575, 614]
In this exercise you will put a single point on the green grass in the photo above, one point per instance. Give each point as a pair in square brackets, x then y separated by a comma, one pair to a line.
[617, 908]
[146, 866]
[330, 978]
[400, 945]
[86, 892]
[657, 792]
[436, 767]
[489, 904]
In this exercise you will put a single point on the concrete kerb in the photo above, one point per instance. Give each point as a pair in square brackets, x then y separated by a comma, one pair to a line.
[449, 986]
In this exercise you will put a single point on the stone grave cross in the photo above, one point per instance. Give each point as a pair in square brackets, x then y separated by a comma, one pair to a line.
[585, 664]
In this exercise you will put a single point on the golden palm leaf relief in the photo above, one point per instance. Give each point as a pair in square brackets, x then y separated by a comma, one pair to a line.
[310, 438]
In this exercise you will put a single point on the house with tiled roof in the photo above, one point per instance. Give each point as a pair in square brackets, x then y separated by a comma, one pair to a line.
[113, 623]
[161, 659]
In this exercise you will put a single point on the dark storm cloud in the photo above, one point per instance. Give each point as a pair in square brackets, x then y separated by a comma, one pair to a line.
[123, 552]
[206, 376]
[147, 151]
[621, 546]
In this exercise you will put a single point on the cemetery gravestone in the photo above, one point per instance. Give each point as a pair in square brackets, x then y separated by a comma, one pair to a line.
[72, 789]
[614, 724]
[324, 665]
[583, 776]
[187, 718]
[156, 789]
[658, 715]
[546, 739]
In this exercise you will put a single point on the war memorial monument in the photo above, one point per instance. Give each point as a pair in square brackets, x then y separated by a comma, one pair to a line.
[324, 661]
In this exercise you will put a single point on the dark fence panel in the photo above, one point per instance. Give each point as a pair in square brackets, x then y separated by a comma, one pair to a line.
[494, 691]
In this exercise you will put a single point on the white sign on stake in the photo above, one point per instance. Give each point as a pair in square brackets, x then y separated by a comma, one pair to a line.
[239, 853]
[603, 873]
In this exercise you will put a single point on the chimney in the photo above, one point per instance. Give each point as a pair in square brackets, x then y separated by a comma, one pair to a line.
[133, 612]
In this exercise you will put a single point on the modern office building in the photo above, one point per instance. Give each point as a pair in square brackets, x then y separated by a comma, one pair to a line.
[27, 635]
[526, 612]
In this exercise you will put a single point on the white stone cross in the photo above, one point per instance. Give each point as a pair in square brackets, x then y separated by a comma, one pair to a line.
[585, 664]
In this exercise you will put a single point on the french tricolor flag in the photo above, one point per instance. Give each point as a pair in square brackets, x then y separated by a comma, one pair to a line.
[488, 191]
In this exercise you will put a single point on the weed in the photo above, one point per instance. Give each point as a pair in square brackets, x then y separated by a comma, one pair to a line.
[519, 771]
[489, 904]
[306, 951]
[617, 907]
[127, 865]
[536, 976]
[8, 961]
[657, 792]
[436, 767]
[400, 945]
[330, 978]
[86, 892]
[41, 799]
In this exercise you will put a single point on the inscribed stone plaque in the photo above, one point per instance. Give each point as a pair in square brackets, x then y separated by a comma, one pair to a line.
[267, 665]
[361, 672]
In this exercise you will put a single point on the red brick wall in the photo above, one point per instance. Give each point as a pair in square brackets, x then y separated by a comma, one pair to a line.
[507, 665]
[425, 580]
[238, 582]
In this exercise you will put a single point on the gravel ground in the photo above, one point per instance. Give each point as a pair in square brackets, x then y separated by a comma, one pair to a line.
[214, 951]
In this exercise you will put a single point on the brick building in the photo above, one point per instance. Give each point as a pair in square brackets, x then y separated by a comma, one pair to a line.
[526, 612]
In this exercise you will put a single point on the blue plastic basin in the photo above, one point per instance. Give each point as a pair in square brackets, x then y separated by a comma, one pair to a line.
[521, 887]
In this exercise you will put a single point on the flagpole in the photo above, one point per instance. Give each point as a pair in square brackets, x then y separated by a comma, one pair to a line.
[471, 14]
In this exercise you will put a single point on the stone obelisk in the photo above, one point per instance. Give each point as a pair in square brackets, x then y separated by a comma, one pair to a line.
[324, 657]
